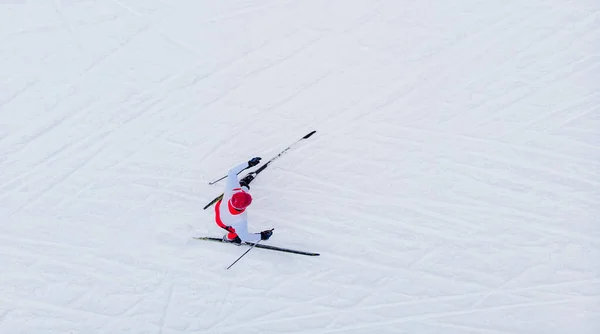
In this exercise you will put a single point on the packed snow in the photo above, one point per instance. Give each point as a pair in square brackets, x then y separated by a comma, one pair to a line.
[452, 186]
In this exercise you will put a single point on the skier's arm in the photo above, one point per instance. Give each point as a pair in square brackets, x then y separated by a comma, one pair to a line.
[232, 181]
[242, 231]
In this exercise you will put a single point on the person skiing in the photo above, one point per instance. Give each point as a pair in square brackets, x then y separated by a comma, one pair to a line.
[230, 211]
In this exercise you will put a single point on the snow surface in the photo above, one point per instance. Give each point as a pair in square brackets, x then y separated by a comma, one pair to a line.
[452, 185]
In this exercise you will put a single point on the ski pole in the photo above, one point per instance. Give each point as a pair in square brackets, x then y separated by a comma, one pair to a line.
[250, 176]
[215, 181]
[246, 252]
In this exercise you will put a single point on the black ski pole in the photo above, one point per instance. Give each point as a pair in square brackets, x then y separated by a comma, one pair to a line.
[246, 252]
[250, 176]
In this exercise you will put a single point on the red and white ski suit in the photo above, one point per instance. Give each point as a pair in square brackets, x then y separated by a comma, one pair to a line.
[228, 218]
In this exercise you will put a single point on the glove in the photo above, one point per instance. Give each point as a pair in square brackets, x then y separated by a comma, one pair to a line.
[245, 181]
[254, 161]
[265, 235]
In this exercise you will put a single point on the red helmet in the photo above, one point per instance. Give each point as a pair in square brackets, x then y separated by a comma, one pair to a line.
[240, 200]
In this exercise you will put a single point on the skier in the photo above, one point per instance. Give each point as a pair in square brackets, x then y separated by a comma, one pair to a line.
[230, 211]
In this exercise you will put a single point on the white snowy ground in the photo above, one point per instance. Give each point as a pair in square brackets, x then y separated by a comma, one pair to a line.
[452, 186]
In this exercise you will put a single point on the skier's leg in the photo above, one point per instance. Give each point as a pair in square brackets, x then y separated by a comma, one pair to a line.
[232, 236]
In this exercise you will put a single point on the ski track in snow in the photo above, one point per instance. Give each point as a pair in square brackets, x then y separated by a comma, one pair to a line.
[452, 184]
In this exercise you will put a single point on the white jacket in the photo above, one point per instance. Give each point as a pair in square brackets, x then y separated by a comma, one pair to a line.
[230, 217]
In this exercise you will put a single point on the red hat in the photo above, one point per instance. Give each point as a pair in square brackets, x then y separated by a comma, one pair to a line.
[241, 200]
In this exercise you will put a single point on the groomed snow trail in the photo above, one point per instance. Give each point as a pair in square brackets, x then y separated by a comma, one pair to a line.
[451, 187]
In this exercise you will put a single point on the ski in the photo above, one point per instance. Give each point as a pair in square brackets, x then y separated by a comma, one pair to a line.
[250, 176]
[262, 246]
